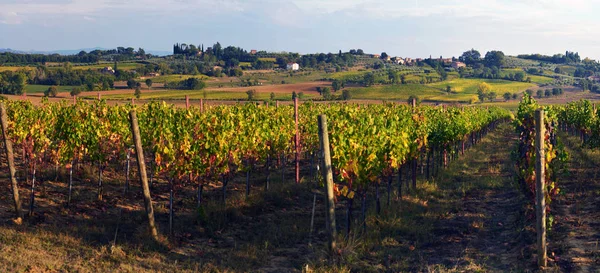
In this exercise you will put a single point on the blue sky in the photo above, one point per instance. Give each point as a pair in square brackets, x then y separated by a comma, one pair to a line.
[408, 28]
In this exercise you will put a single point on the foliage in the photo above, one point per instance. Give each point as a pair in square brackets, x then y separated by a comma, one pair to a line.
[525, 153]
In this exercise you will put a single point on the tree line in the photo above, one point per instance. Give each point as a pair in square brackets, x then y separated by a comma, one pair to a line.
[120, 53]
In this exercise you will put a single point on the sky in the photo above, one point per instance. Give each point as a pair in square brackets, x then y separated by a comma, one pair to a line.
[405, 28]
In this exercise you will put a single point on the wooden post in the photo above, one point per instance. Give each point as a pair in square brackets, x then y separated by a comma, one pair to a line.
[328, 175]
[187, 102]
[201, 105]
[142, 173]
[74, 99]
[132, 101]
[99, 96]
[276, 104]
[540, 187]
[414, 103]
[297, 141]
[11, 162]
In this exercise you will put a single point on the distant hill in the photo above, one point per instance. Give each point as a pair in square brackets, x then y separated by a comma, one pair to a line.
[75, 51]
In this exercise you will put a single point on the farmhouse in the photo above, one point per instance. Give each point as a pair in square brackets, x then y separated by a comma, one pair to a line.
[293, 66]
[399, 60]
[153, 74]
[253, 51]
[457, 65]
[376, 56]
[446, 60]
[108, 69]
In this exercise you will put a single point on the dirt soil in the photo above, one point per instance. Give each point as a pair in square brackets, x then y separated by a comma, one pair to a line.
[577, 215]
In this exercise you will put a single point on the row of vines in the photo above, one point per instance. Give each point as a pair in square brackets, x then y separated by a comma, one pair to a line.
[194, 147]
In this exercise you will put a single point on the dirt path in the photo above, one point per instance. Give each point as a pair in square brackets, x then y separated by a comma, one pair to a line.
[575, 240]
[484, 228]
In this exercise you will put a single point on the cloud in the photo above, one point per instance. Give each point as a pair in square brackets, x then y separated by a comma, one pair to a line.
[10, 18]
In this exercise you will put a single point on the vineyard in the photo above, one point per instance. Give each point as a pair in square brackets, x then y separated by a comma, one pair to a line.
[203, 163]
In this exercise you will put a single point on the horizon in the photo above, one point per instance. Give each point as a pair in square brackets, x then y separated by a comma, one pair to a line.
[415, 29]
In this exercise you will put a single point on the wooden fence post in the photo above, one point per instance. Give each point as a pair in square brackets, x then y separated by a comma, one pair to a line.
[99, 96]
[11, 162]
[328, 175]
[297, 141]
[135, 130]
[201, 105]
[187, 102]
[540, 187]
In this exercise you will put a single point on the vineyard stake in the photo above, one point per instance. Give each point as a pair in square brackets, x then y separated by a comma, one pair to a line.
[139, 151]
[201, 105]
[328, 175]
[99, 96]
[187, 102]
[297, 141]
[540, 187]
[11, 162]
[312, 219]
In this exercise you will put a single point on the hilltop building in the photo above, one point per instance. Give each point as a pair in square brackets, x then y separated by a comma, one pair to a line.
[293, 66]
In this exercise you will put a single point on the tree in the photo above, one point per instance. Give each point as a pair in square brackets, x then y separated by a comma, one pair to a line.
[519, 76]
[369, 79]
[326, 93]
[492, 96]
[506, 96]
[131, 83]
[52, 91]
[470, 57]
[558, 70]
[547, 92]
[75, 91]
[251, 94]
[294, 96]
[336, 85]
[515, 96]
[529, 92]
[413, 97]
[384, 55]
[149, 83]
[484, 88]
[272, 96]
[494, 58]
[448, 89]
[346, 95]
[138, 92]
[540, 93]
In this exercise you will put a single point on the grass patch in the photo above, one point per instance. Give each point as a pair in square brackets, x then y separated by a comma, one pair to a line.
[174, 78]
[200, 94]
[394, 92]
[34, 88]
[469, 86]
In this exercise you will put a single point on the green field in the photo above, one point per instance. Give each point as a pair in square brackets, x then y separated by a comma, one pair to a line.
[199, 94]
[469, 86]
[534, 78]
[174, 78]
[123, 66]
[394, 92]
[15, 68]
[33, 88]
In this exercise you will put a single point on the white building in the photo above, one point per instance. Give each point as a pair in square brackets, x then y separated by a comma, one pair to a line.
[293, 66]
